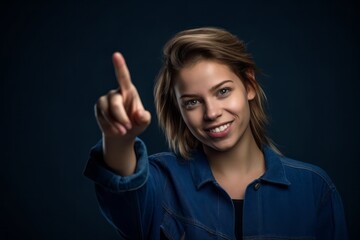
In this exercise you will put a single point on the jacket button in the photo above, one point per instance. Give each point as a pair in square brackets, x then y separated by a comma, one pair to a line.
[257, 186]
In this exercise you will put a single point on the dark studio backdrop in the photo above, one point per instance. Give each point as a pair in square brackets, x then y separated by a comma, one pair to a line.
[56, 62]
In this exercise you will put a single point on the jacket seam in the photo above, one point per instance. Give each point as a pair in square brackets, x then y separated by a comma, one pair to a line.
[194, 222]
[310, 169]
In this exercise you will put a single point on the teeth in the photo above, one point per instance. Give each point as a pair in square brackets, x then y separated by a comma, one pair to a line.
[220, 129]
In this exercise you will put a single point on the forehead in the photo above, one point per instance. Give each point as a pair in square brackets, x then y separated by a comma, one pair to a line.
[203, 75]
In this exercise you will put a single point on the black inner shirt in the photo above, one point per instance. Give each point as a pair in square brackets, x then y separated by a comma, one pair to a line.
[238, 206]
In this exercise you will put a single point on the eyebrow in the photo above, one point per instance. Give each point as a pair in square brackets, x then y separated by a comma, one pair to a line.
[212, 89]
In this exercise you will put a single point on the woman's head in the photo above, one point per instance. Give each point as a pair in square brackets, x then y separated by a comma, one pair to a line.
[188, 48]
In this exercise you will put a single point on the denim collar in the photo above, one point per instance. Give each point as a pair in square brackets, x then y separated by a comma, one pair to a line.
[274, 173]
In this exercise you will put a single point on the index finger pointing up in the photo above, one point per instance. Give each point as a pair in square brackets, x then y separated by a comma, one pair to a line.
[121, 71]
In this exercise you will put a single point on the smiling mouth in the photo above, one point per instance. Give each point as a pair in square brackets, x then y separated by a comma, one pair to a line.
[219, 129]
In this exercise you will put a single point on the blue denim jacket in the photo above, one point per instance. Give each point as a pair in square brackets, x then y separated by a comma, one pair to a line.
[180, 199]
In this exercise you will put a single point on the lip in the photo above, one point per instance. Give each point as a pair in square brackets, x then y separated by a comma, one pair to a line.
[220, 134]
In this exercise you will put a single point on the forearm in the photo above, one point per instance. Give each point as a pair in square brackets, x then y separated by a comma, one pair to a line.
[119, 155]
[128, 202]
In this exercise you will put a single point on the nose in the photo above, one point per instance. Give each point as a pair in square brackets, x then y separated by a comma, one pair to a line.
[212, 110]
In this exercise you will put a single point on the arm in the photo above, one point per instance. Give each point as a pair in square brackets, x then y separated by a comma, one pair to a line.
[119, 163]
[331, 217]
[127, 202]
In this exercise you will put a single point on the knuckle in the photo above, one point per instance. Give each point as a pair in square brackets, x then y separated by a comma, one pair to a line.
[116, 101]
[100, 103]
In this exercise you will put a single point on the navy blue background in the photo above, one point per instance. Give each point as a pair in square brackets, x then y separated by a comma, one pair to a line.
[56, 62]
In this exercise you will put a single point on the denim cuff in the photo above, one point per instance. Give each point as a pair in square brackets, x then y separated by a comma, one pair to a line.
[101, 174]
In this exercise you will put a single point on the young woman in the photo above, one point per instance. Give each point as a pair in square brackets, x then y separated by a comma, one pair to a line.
[223, 178]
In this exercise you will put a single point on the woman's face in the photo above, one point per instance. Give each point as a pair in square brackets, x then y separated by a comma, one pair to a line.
[214, 104]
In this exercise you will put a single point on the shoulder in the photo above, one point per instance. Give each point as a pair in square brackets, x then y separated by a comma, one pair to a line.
[167, 160]
[163, 157]
[294, 172]
[157, 158]
[299, 169]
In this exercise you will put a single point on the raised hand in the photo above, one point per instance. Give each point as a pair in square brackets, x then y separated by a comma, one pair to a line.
[120, 113]
[121, 117]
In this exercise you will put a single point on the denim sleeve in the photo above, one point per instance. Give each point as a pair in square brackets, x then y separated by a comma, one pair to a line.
[103, 176]
[126, 202]
[332, 222]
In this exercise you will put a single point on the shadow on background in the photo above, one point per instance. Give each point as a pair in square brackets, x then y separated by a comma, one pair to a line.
[56, 62]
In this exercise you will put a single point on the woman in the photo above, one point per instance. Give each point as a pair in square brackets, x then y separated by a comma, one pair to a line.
[223, 178]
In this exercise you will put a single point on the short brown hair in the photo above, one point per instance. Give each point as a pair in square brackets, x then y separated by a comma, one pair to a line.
[187, 47]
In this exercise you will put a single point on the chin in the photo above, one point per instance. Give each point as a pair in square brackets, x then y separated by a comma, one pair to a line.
[221, 147]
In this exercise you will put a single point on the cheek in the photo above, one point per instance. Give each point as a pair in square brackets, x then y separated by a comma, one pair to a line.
[191, 118]
[237, 105]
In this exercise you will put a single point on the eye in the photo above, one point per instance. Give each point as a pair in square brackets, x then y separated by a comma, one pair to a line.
[224, 92]
[191, 103]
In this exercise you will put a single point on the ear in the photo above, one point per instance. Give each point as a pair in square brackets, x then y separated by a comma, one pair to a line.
[251, 93]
